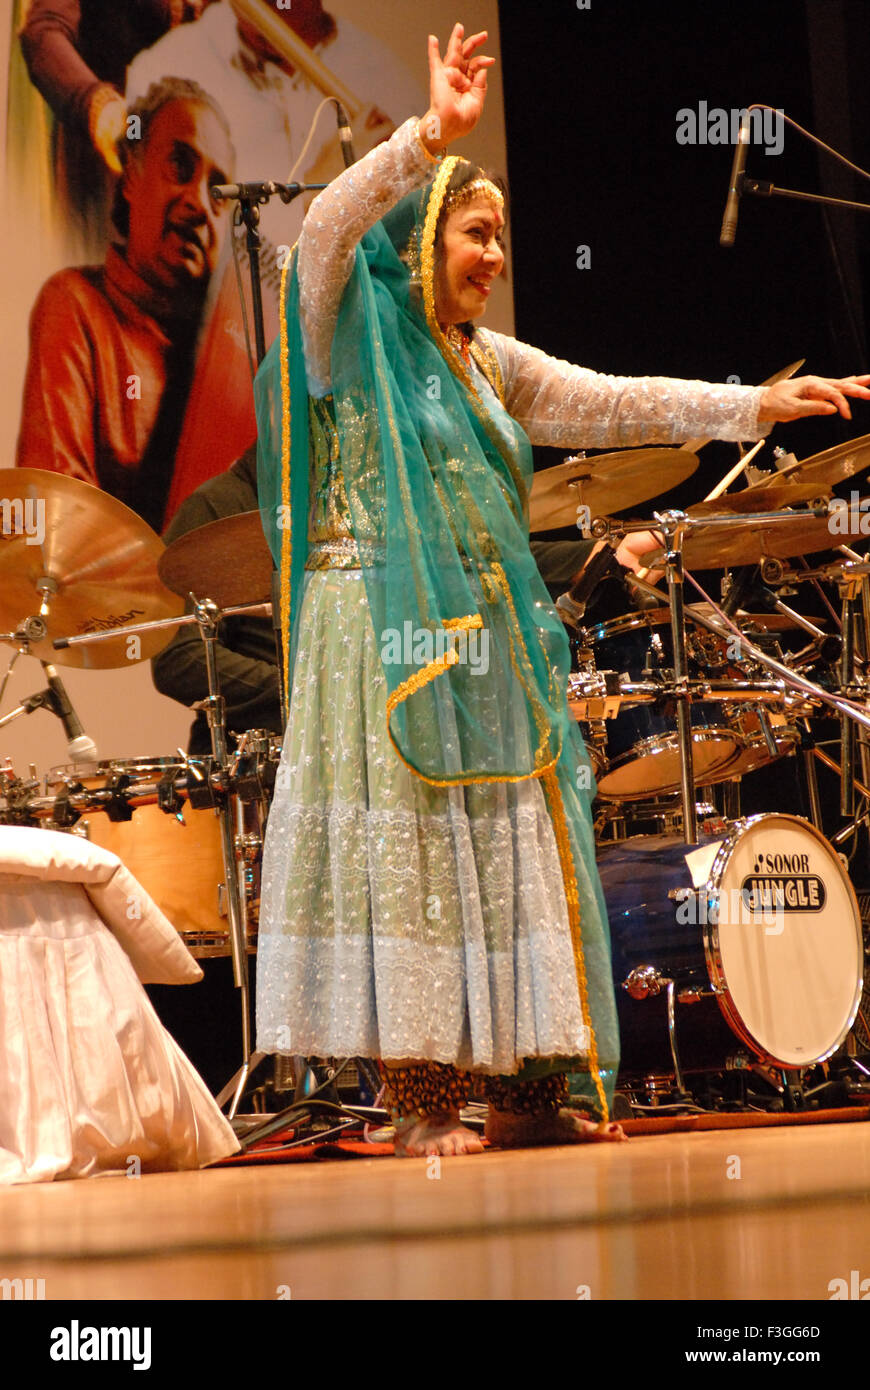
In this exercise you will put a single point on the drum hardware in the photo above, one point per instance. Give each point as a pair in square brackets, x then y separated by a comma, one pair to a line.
[214, 788]
[781, 534]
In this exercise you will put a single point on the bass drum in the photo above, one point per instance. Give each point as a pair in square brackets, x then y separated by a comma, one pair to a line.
[760, 932]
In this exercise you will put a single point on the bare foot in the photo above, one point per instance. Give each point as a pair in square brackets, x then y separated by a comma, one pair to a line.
[437, 1134]
[509, 1131]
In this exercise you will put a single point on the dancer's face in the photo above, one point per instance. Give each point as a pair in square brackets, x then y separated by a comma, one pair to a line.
[471, 256]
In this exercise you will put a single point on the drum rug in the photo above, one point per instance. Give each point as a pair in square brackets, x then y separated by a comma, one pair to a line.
[279, 1148]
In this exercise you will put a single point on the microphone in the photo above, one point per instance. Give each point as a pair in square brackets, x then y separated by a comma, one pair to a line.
[571, 606]
[729, 220]
[345, 135]
[258, 192]
[81, 748]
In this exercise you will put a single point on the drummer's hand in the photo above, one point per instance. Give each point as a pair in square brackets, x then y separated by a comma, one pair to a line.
[457, 89]
[812, 395]
[633, 547]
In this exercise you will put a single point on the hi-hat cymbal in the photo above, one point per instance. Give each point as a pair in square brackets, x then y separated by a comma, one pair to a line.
[606, 483]
[100, 562]
[828, 468]
[227, 560]
[723, 546]
[758, 499]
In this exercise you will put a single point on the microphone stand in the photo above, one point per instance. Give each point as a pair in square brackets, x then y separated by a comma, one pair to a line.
[250, 198]
[763, 188]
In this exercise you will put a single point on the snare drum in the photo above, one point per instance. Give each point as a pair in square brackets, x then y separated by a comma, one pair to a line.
[758, 928]
[643, 751]
[179, 862]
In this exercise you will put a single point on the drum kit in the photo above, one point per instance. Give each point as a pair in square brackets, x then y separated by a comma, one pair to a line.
[100, 590]
[737, 940]
[745, 929]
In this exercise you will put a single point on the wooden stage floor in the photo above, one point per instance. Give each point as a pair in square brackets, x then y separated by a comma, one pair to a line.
[738, 1214]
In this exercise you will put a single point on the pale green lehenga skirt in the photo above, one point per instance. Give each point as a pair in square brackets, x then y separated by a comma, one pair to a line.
[400, 920]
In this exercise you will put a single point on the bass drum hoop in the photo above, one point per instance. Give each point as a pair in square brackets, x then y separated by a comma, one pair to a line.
[712, 943]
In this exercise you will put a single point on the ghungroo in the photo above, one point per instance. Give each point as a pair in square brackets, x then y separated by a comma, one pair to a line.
[426, 1088]
[547, 1093]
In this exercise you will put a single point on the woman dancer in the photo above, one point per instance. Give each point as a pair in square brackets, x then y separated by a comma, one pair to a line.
[429, 891]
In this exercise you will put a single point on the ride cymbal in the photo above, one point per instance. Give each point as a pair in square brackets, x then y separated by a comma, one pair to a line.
[227, 560]
[605, 484]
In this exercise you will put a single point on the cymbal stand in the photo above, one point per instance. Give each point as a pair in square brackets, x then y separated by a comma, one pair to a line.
[672, 524]
[208, 616]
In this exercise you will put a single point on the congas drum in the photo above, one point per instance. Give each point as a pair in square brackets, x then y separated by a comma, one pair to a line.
[177, 858]
[759, 930]
[643, 753]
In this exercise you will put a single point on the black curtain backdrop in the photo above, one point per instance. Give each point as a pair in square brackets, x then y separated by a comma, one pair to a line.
[592, 97]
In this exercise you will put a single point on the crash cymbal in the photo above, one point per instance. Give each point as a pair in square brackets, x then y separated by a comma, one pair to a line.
[606, 483]
[693, 445]
[770, 622]
[723, 546]
[99, 559]
[828, 468]
[227, 560]
[758, 499]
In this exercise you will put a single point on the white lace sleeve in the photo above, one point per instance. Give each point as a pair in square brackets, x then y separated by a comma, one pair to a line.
[572, 407]
[335, 222]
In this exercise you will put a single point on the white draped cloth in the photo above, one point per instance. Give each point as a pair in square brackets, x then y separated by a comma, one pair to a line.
[90, 1080]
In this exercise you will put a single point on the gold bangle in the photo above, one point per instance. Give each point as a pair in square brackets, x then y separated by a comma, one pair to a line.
[432, 158]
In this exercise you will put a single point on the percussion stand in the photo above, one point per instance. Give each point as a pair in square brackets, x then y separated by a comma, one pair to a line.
[208, 615]
[672, 524]
[849, 590]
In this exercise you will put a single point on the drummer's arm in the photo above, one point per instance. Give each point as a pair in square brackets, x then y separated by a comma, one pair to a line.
[563, 405]
[336, 221]
[250, 688]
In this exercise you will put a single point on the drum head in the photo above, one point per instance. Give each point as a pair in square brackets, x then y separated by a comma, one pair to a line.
[653, 767]
[787, 950]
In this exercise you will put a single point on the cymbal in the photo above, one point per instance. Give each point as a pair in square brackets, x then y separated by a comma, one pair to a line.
[606, 483]
[770, 622]
[101, 559]
[723, 546]
[759, 499]
[828, 468]
[226, 560]
[693, 445]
